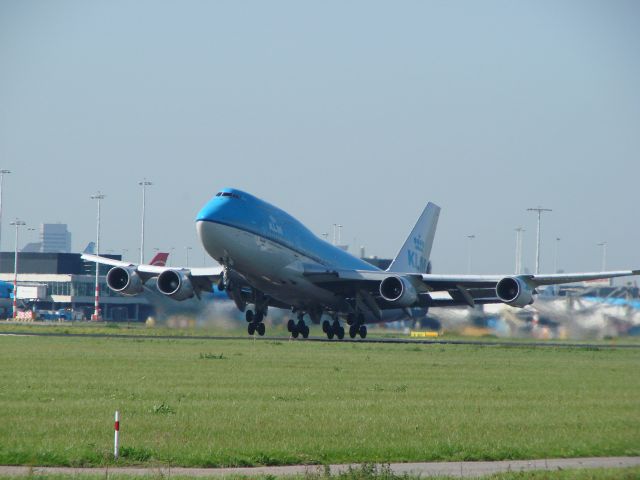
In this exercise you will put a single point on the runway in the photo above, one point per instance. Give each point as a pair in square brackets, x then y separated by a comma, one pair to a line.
[398, 341]
[431, 469]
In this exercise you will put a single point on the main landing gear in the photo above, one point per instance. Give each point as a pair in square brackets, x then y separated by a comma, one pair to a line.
[333, 329]
[254, 320]
[356, 325]
[299, 328]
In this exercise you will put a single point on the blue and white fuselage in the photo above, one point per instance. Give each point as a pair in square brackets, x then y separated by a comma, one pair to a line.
[270, 249]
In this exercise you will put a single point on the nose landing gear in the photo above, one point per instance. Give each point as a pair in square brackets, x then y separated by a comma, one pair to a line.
[254, 320]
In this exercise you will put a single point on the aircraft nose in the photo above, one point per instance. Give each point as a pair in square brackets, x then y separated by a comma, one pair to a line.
[211, 211]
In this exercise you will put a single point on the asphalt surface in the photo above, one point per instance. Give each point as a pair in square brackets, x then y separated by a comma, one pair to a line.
[402, 341]
[433, 469]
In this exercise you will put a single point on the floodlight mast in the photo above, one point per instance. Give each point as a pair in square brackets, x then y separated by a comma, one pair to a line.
[469, 239]
[539, 210]
[519, 232]
[144, 184]
[604, 255]
[17, 223]
[96, 311]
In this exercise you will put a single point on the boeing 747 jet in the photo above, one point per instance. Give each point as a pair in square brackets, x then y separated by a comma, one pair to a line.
[269, 259]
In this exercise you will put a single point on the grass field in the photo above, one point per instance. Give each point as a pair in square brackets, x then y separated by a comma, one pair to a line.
[214, 403]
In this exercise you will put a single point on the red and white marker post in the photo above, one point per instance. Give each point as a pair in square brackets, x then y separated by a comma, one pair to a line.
[116, 426]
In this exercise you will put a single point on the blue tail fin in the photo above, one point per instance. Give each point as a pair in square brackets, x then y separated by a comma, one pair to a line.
[413, 257]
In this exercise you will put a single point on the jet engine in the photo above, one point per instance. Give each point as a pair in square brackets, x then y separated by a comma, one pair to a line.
[399, 291]
[514, 291]
[124, 280]
[175, 284]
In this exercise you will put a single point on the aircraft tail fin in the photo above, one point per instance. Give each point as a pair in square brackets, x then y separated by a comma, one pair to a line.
[90, 248]
[413, 257]
[160, 259]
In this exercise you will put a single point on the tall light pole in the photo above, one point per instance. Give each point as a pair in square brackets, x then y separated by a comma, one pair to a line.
[144, 184]
[186, 251]
[96, 311]
[469, 239]
[604, 255]
[2, 174]
[17, 223]
[519, 231]
[539, 210]
[555, 256]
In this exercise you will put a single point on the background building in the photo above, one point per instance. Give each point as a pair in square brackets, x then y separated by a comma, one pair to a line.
[55, 282]
[54, 238]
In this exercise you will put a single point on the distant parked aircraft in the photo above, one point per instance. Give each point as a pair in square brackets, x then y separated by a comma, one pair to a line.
[159, 259]
[269, 259]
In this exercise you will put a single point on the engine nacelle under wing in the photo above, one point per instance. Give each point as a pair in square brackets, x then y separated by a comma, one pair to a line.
[175, 284]
[124, 280]
[399, 291]
[514, 291]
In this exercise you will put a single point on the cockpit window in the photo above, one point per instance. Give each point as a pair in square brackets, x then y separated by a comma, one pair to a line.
[227, 194]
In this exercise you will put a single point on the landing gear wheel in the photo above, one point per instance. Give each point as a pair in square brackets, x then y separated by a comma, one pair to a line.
[291, 325]
[340, 333]
[330, 334]
[350, 319]
[305, 332]
[295, 334]
[251, 328]
[260, 328]
[249, 316]
[363, 331]
[326, 326]
[258, 317]
[353, 331]
[221, 285]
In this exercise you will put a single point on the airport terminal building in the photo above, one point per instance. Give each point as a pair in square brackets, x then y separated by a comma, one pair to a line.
[56, 282]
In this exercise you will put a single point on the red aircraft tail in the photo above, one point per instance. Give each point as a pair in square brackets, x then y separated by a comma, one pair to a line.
[160, 259]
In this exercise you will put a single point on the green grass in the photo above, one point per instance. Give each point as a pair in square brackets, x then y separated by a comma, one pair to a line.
[236, 403]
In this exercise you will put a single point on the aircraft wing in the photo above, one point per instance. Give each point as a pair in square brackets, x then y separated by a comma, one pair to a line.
[434, 282]
[445, 282]
[202, 278]
[463, 289]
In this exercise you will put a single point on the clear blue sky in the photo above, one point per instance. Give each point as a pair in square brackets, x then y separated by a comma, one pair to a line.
[352, 112]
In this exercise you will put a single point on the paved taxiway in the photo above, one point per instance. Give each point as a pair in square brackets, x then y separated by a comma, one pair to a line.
[452, 469]
[401, 341]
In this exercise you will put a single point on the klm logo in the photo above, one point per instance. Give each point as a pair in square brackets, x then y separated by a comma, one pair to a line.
[418, 243]
[274, 227]
[415, 256]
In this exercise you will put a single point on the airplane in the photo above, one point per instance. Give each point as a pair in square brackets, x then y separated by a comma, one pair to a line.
[267, 258]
